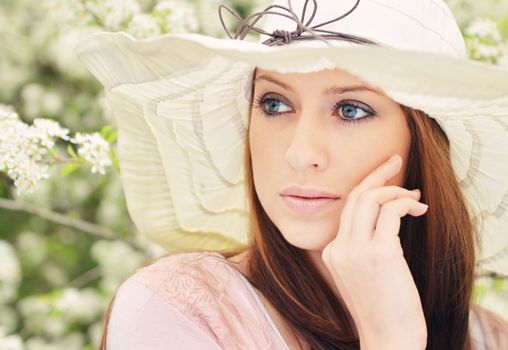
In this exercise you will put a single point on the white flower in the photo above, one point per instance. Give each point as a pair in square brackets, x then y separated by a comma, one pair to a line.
[73, 341]
[94, 150]
[486, 52]
[52, 103]
[10, 272]
[31, 247]
[11, 342]
[62, 56]
[16, 72]
[144, 26]
[84, 305]
[484, 28]
[8, 320]
[54, 326]
[32, 95]
[503, 61]
[176, 16]
[35, 311]
[23, 146]
[48, 128]
[66, 13]
[114, 14]
[485, 42]
[108, 254]
[38, 100]
[7, 113]
[55, 274]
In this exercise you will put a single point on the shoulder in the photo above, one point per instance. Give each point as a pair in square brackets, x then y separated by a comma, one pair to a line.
[186, 280]
[172, 298]
[186, 263]
[489, 329]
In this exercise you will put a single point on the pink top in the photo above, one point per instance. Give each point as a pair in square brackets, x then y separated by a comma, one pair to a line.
[199, 300]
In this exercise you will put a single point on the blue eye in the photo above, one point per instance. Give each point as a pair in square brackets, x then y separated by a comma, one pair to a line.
[270, 106]
[354, 112]
[349, 111]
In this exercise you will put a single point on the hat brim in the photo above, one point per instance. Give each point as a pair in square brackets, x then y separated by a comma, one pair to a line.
[181, 103]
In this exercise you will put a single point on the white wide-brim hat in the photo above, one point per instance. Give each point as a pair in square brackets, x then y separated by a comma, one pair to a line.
[181, 102]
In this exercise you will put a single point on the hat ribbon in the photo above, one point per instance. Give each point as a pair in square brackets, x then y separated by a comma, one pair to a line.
[283, 37]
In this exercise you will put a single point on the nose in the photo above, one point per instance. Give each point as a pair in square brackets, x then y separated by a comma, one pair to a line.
[307, 147]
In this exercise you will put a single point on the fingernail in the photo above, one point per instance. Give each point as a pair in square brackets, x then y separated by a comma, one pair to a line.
[416, 191]
[424, 205]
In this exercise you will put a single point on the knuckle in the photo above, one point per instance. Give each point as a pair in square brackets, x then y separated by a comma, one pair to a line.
[397, 204]
[366, 197]
[407, 202]
[389, 206]
[400, 192]
[396, 188]
[338, 258]
[330, 253]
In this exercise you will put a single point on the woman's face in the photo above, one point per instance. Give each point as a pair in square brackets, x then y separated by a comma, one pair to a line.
[324, 131]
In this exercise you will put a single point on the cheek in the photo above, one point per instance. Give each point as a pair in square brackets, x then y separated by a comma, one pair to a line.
[377, 146]
[263, 149]
[346, 169]
[270, 175]
[264, 158]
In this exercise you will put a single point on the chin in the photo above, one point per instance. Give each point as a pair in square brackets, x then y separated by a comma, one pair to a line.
[308, 236]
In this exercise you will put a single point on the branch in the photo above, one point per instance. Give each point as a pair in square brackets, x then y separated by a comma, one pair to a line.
[86, 277]
[491, 274]
[84, 226]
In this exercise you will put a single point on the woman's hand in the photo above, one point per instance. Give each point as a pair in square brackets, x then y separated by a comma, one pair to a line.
[367, 263]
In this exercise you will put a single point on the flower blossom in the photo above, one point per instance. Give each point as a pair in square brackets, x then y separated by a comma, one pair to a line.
[114, 14]
[176, 16]
[144, 26]
[10, 273]
[485, 42]
[94, 150]
[26, 150]
[20, 151]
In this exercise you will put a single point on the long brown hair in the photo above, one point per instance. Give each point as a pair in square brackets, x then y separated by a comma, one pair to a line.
[439, 248]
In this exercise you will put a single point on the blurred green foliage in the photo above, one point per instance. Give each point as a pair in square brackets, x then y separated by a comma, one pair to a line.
[55, 268]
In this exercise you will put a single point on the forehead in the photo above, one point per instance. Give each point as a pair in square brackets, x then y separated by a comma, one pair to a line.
[323, 78]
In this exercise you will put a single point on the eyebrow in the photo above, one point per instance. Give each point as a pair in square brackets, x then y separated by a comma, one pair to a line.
[332, 90]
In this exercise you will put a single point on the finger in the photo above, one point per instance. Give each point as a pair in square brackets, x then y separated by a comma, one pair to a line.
[380, 175]
[367, 209]
[388, 223]
[376, 178]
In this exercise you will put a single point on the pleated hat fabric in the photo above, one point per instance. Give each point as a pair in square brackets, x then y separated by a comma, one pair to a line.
[181, 102]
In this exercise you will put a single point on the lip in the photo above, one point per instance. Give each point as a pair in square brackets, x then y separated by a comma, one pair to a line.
[296, 191]
[307, 200]
[308, 205]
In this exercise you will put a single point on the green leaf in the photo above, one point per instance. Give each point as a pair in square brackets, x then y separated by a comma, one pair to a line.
[498, 284]
[106, 130]
[114, 159]
[71, 152]
[68, 169]
[111, 137]
[108, 133]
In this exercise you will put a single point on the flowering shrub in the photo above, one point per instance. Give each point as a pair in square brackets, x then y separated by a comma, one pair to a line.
[26, 151]
[485, 43]
[63, 222]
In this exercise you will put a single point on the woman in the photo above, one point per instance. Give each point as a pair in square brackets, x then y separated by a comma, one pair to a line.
[343, 148]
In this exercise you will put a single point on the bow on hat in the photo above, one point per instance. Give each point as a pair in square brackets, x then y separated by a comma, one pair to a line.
[284, 37]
